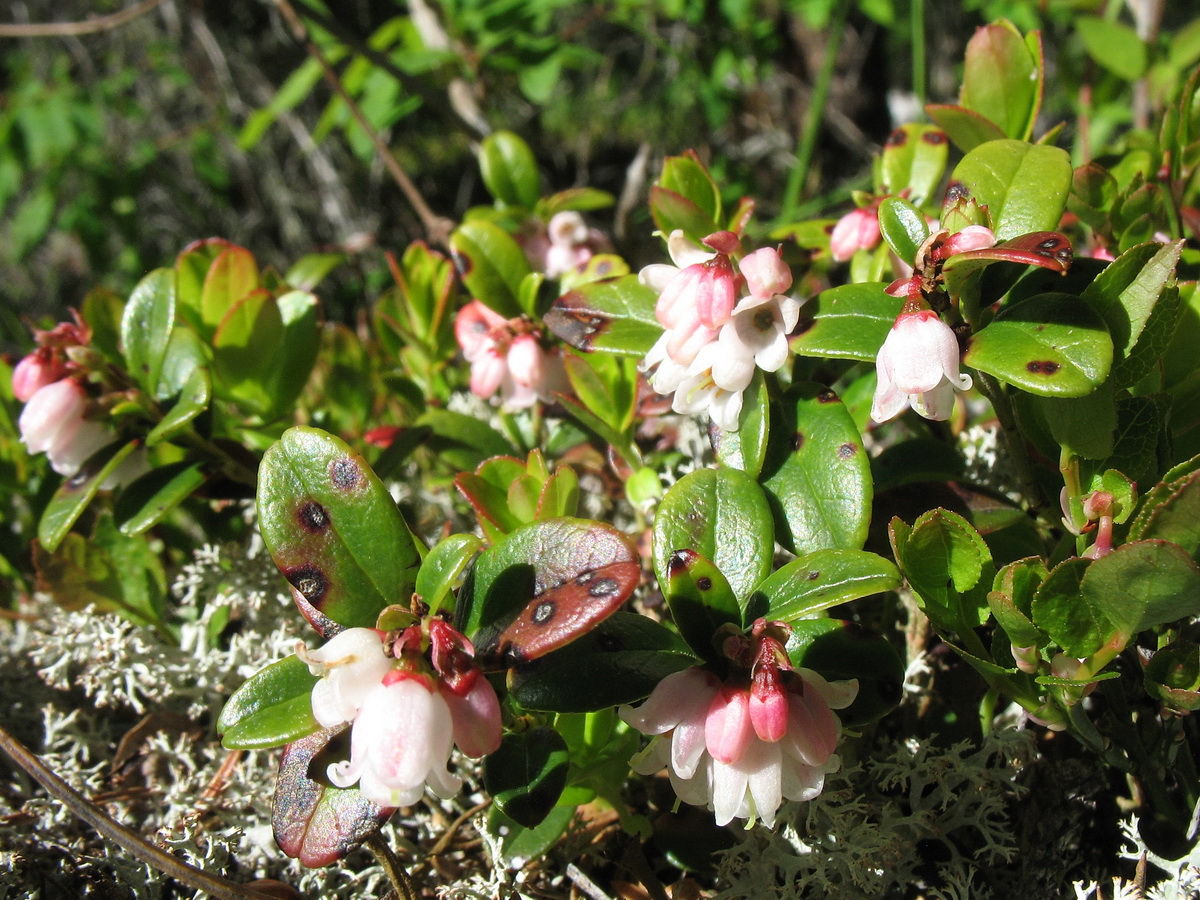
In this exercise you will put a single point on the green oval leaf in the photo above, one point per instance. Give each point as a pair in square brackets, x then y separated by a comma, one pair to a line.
[144, 502]
[333, 530]
[746, 448]
[1059, 610]
[444, 566]
[1002, 79]
[700, 600]
[1143, 584]
[1024, 186]
[273, 707]
[246, 350]
[231, 277]
[821, 579]
[817, 474]
[74, 494]
[721, 514]
[146, 327]
[913, 161]
[527, 774]
[492, 265]
[846, 322]
[620, 661]
[1053, 345]
[509, 169]
[615, 315]
[903, 227]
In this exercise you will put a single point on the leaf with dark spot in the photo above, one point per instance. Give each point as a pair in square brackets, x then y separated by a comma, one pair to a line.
[333, 530]
[615, 315]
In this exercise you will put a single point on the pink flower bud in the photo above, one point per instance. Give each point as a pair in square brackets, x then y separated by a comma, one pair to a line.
[727, 727]
[857, 230]
[973, 237]
[525, 358]
[34, 372]
[476, 718]
[766, 273]
[53, 415]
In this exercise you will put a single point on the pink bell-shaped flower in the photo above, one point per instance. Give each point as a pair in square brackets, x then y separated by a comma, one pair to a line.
[40, 368]
[743, 746]
[53, 416]
[918, 365]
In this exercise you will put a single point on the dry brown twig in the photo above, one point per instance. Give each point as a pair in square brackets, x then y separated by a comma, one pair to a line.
[87, 26]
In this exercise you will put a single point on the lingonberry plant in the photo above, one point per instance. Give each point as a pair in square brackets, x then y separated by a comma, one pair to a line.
[676, 519]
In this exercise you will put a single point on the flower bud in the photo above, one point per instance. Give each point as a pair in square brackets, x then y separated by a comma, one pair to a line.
[857, 230]
[34, 372]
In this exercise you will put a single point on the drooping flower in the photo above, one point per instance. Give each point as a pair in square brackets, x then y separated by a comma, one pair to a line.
[35, 371]
[716, 333]
[742, 746]
[506, 356]
[918, 365]
[571, 243]
[856, 230]
[410, 696]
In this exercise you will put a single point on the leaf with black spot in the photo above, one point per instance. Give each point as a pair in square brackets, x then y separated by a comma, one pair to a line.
[700, 600]
[333, 530]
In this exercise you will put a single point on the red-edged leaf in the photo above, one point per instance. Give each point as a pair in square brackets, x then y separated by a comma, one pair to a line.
[1047, 249]
[313, 822]
[556, 617]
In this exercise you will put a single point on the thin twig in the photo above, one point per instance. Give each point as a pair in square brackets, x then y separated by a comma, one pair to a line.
[437, 228]
[585, 884]
[125, 838]
[443, 842]
[391, 866]
[87, 26]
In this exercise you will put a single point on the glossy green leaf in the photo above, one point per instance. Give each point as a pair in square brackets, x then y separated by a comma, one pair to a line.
[685, 196]
[297, 353]
[314, 822]
[1084, 425]
[191, 270]
[616, 316]
[1060, 611]
[444, 568]
[144, 502]
[184, 355]
[1002, 79]
[1114, 46]
[581, 199]
[817, 475]
[311, 269]
[620, 661]
[1053, 345]
[526, 776]
[821, 579]
[74, 494]
[509, 169]
[232, 276]
[674, 212]
[903, 227]
[850, 321]
[194, 399]
[246, 349]
[534, 559]
[103, 310]
[1024, 186]
[700, 600]
[746, 448]
[146, 327]
[966, 128]
[333, 530]
[273, 707]
[838, 651]
[913, 161]
[492, 265]
[1130, 294]
[1012, 599]
[949, 567]
[723, 515]
[1143, 584]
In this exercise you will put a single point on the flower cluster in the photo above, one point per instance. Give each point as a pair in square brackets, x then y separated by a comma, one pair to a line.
[563, 244]
[410, 695]
[506, 355]
[721, 323]
[55, 420]
[743, 745]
